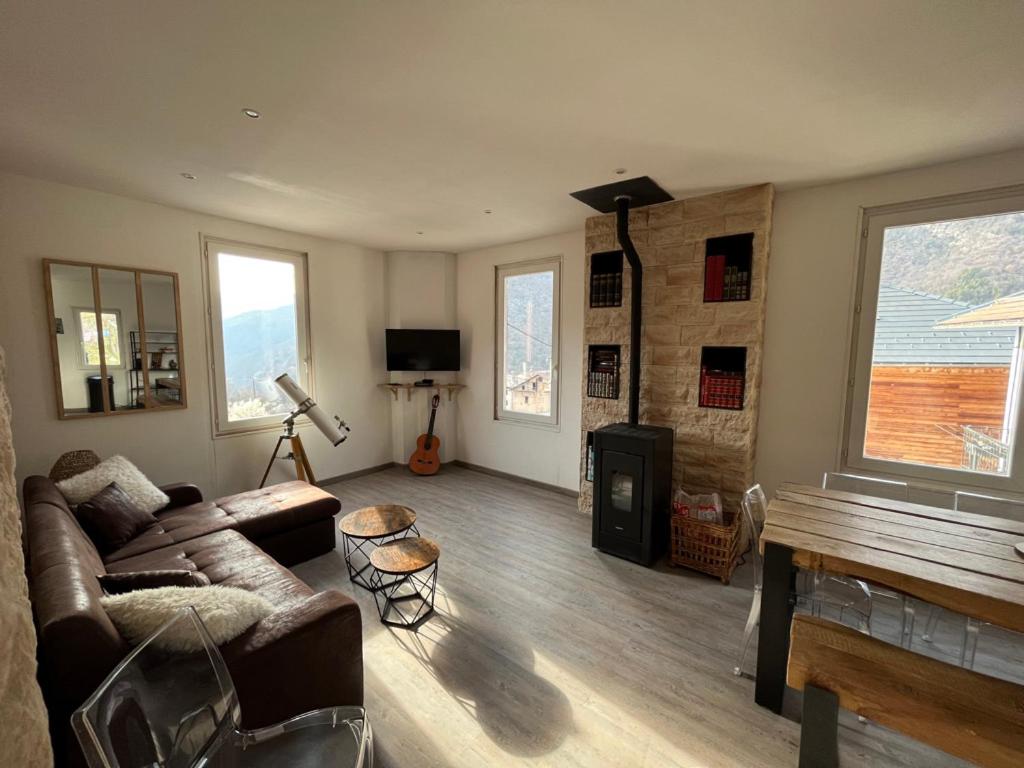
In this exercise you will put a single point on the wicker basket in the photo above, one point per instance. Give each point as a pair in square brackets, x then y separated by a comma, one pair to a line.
[707, 547]
[73, 463]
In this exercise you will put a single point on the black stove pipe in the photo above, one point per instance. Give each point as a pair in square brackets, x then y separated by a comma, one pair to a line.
[635, 309]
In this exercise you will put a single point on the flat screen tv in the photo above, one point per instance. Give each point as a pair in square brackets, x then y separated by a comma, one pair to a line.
[418, 349]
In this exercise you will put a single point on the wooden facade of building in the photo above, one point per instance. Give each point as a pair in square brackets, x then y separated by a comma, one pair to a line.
[915, 413]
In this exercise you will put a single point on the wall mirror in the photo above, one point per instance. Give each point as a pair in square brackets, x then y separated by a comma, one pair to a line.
[115, 339]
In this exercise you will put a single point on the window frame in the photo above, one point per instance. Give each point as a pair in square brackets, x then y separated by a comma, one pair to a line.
[211, 246]
[83, 361]
[873, 222]
[501, 271]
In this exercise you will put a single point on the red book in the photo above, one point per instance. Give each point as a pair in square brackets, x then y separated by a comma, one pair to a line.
[719, 283]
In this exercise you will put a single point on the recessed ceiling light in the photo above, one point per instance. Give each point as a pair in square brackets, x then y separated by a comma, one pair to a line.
[620, 171]
[419, 232]
[488, 210]
[251, 113]
[189, 176]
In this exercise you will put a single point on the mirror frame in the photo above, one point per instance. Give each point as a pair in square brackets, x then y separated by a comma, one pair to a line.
[144, 361]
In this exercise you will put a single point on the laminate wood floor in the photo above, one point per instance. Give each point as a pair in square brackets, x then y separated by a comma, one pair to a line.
[545, 652]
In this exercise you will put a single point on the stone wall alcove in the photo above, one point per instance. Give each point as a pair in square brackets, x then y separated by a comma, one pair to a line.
[714, 446]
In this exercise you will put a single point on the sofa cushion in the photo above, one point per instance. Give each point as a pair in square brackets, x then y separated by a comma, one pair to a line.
[116, 469]
[255, 514]
[227, 558]
[277, 508]
[112, 519]
[175, 526]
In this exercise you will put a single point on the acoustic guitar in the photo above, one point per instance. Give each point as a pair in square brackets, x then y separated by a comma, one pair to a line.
[425, 459]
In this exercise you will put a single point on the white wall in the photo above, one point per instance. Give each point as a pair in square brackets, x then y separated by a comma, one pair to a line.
[547, 455]
[810, 282]
[421, 290]
[41, 219]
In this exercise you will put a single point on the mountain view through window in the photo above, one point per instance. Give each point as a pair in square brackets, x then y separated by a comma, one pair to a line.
[258, 311]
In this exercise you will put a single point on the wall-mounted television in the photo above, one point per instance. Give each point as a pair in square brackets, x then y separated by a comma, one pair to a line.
[420, 349]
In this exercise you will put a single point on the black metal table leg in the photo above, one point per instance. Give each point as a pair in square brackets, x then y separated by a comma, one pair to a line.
[352, 546]
[777, 601]
[423, 587]
[819, 729]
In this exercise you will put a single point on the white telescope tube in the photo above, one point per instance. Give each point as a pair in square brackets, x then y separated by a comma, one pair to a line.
[330, 427]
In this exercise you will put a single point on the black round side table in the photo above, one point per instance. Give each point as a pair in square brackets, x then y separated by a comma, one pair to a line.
[408, 599]
[369, 527]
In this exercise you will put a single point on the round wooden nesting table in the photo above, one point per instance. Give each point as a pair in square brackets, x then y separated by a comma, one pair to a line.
[367, 528]
[413, 560]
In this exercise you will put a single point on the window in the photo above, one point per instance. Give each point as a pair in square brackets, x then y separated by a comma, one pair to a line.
[85, 320]
[259, 329]
[936, 361]
[526, 376]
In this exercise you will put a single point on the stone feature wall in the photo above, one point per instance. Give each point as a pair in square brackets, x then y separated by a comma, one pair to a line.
[714, 448]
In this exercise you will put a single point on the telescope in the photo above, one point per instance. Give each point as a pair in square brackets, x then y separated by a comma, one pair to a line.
[333, 428]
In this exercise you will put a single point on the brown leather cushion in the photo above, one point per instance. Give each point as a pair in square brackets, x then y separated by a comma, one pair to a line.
[119, 583]
[173, 527]
[255, 514]
[281, 507]
[225, 557]
[112, 519]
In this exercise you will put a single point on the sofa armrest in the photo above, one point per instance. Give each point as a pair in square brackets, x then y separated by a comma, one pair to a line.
[182, 494]
[299, 658]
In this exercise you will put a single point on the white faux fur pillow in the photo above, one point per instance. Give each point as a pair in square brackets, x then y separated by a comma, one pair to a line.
[226, 611]
[116, 469]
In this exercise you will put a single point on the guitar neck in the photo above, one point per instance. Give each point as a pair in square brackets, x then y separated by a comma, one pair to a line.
[430, 426]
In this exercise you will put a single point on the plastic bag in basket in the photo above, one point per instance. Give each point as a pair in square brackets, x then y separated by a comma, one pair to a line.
[706, 507]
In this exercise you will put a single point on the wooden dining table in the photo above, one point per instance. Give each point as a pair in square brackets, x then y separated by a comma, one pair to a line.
[960, 561]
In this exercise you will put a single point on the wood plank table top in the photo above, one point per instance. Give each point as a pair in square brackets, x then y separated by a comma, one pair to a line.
[405, 556]
[960, 561]
[377, 521]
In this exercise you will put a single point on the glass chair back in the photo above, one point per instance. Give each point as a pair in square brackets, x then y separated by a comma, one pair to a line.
[755, 510]
[160, 708]
[993, 506]
[868, 486]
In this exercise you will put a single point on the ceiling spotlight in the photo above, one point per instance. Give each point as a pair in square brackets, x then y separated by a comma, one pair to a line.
[419, 232]
[488, 210]
[251, 113]
[620, 171]
[189, 176]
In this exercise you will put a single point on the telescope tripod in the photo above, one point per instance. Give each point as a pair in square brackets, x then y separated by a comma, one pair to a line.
[303, 471]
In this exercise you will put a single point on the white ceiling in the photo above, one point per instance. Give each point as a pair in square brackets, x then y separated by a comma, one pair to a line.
[381, 119]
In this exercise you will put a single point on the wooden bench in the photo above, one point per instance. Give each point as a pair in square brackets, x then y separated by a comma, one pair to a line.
[969, 715]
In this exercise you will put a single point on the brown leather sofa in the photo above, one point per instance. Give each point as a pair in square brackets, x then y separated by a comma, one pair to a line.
[307, 654]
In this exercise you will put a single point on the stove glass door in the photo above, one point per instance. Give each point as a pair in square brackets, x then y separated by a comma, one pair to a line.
[622, 482]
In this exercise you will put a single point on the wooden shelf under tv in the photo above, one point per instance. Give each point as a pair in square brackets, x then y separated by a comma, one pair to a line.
[452, 389]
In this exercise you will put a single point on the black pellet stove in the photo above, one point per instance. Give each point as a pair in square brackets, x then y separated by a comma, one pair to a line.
[632, 461]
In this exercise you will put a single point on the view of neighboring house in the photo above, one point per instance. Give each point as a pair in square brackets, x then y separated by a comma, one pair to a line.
[940, 379]
[531, 394]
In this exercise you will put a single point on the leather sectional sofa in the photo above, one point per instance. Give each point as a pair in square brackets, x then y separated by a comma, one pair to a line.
[307, 654]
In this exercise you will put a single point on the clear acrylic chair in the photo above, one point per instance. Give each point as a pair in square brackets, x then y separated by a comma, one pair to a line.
[880, 488]
[979, 504]
[179, 710]
[838, 594]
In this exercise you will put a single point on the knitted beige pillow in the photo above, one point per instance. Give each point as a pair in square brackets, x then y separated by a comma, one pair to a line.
[226, 611]
[116, 469]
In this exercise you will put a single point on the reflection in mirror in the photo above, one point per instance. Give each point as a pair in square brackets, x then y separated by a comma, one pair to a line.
[158, 344]
[115, 339]
[120, 318]
[76, 340]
